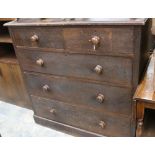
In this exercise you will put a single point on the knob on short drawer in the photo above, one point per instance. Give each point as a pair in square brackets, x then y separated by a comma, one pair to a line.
[46, 88]
[34, 38]
[102, 124]
[95, 41]
[100, 98]
[40, 62]
[98, 69]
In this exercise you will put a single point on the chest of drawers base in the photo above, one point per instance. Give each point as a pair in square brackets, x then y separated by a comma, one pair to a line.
[81, 76]
[64, 128]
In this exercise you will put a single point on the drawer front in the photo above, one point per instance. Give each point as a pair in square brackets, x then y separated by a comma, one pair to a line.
[76, 92]
[108, 125]
[49, 37]
[116, 70]
[100, 40]
[93, 40]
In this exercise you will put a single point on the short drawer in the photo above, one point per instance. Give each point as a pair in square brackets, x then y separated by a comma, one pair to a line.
[116, 70]
[101, 123]
[100, 39]
[91, 39]
[38, 37]
[80, 93]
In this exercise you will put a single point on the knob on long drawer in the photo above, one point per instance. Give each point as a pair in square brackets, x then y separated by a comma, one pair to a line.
[40, 62]
[100, 98]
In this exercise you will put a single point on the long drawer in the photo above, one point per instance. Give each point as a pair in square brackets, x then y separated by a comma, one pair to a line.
[98, 122]
[80, 93]
[91, 39]
[116, 70]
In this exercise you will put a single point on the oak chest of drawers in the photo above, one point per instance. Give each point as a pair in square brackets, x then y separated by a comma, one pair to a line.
[81, 74]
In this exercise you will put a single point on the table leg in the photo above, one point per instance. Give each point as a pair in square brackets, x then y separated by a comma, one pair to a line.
[140, 118]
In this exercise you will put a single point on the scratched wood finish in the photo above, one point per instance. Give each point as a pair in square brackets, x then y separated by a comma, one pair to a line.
[63, 89]
[79, 66]
[81, 117]
[48, 37]
[112, 40]
[62, 41]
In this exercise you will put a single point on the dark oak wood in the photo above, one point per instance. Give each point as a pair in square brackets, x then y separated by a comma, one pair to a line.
[79, 66]
[64, 89]
[83, 64]
[112, 40]
[81, 117]
[65, 128]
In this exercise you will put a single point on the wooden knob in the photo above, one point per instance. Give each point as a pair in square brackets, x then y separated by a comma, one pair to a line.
[52, 111]
[95, 41]
[100, 98]
[98, 69]
[46, 88]
[34, 38]
[102, 124]
[40, 62]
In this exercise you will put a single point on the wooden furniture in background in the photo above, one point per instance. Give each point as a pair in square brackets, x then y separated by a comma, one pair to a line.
[81, 74]
[145, 95]
[12, 88]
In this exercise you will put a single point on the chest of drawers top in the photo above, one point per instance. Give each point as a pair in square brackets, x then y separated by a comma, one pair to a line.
[76, 21]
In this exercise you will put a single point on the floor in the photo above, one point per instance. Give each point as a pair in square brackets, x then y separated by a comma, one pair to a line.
[18, 122]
